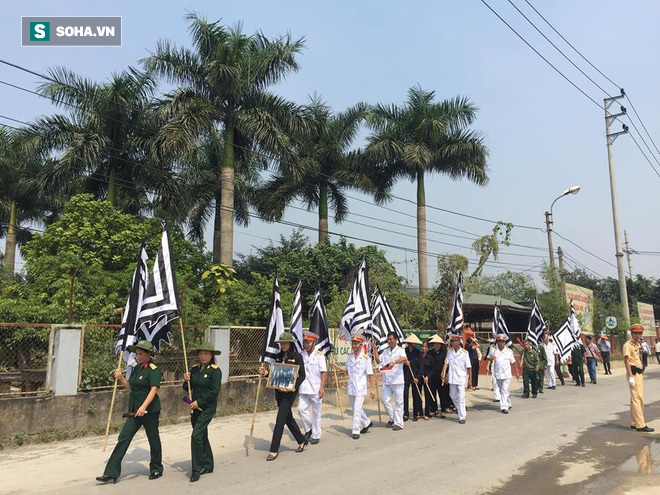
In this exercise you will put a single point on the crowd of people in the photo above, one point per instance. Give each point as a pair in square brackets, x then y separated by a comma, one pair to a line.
[435, 373]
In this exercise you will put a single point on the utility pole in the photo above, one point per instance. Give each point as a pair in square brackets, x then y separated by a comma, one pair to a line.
[611, 137]
[548, 229]
[562, 273]
[628, 253]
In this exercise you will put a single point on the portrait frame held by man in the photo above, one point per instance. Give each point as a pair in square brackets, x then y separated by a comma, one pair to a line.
[282, 375]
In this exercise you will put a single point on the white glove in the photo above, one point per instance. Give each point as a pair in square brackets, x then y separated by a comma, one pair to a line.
[631, 382]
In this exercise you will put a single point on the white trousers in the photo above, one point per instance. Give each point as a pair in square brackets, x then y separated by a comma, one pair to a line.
[505, 395]
[395, 413]
[496, 388]
[457, 394]
[313, 423]
[550, 376]
[360, 419]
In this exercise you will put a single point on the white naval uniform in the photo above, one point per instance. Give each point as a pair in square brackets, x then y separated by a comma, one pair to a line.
[358, 376]
[457, 365]
[502, 374]
[308, 394]
[551, 350]
[496, 390]
[393, 383]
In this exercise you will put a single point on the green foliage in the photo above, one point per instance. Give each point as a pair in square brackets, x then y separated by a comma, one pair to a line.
[518, 287]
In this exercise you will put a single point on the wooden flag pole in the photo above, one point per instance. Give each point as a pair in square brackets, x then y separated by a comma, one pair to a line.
[185, 357]
[419, 391]
[380, 419]
[254, 412]
[341, 407]
[112, 405]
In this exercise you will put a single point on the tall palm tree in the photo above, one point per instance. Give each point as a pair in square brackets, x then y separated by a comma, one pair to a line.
[223, 86]
[105, 143]
[322, 167]
[422, 137]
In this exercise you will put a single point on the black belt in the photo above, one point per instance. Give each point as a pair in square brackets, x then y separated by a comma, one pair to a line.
[636, 371]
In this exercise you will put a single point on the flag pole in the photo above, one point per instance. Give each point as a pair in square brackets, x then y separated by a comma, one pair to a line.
[254, 412]
[334, 371]
[376, 375]
[185, 357]
[112, 405]
[419, 391]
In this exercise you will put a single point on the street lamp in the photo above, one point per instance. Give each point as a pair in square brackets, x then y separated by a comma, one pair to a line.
[548, 222]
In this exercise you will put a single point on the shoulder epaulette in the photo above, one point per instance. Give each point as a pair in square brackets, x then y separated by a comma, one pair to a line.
[195, 365]
[152, 366]
[214, 366]
[319, 351]
[463, 350]
[366, 355]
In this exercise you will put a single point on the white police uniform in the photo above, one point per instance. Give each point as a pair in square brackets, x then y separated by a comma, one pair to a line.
[309, 392]
[393, 382]
[457, 365]
[358, 370]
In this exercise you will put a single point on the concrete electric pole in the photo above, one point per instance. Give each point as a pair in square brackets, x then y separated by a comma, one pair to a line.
[628, 253]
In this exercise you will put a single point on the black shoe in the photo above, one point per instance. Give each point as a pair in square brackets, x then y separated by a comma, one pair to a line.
[414, 418]
[495, 400]
[583, 385]
[461, 421]
[389, 424]
[366, 428]
[206, 471]
[525, 396]
[646, 429]
[505, 411]
[405, 418]
[356, 436]
[308, 435]
[156, 475]
[540, 391]
[272, 457]
[534, 396]
[301, 449]
[632, 427]
[314, 441]
[194, 476]
[595, 382]
[106, 479]
[577, 384]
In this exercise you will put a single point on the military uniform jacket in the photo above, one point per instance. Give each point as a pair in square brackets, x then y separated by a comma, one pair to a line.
[577, 354]
[543, 355]
[143, 377]
[531, 359]
[293, 357]
[314, 365]
[205, 384]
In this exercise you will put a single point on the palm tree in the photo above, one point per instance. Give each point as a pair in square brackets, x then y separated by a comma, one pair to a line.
[322, 167]
[422, 137]
[224, 83]
[104, 144]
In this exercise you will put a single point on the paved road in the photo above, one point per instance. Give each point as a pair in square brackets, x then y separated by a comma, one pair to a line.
[580, 433]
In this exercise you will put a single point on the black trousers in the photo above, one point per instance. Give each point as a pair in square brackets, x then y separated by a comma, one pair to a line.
[560, 373]
[417, 400]
[429, 400]
[578, 369]
[434, 385]
[285, 402]
[606, 361]
[645, 359]
[475, 373]
[657, 356]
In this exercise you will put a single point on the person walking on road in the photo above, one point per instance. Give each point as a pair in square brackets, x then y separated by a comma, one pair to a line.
[144, 410]
[531, 365]
[605, 350]
[592, 354]
[423, 375]
[552, 354]
[543, 358]
[205, 380]
[411, 380]
[657, 350]
[635, 375]
[457, 371]
[441, 402]
[311, 390]
[577, 358]
[393, 359]
[502, 358]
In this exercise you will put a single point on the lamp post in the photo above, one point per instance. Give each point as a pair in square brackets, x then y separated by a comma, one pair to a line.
[548, 223]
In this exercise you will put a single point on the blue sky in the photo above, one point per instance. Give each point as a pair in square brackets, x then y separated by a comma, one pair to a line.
[544, 136]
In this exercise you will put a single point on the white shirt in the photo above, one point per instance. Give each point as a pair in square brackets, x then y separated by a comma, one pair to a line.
[551, 351]
[457, 366]
[358, 371]
[502, 363]
[393, 376]
[314, 366]
[657, 347]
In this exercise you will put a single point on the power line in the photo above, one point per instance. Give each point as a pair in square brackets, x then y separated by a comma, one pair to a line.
[583, 249]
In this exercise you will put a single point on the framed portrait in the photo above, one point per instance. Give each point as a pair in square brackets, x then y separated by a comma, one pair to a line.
[282, 375]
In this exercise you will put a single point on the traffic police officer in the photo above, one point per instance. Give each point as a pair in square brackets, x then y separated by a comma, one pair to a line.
[457, 369]
[144, 409]
[311, 390]
[205, 379]
[635, 375]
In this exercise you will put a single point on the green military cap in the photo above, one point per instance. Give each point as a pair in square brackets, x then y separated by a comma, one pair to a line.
[207, 346]
[145, 345]
[286, 337]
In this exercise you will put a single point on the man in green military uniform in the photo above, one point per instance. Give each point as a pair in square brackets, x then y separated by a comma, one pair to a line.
[531, 365]
[577, 357]
[543, 357]
[205, 379]
[144, 410]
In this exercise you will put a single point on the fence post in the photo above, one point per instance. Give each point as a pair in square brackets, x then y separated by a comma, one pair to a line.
[49, 363]
[65, 360]
[220, 338]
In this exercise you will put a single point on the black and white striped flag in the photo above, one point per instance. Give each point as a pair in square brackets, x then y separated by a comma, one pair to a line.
[357, 314]
[275, 327]
[536, 327]
[319, 325]
[160, 305]
[499, 326]
[128, 332]
[564, 340]
[296, 327]
[456, 322]
[383, 322]
[573, 321]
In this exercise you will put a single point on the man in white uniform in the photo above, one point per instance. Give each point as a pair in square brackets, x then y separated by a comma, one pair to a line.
[502, 358]
[359, 370]
[311, 389]
[552, 351]
[457, 371]
[392, 360]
